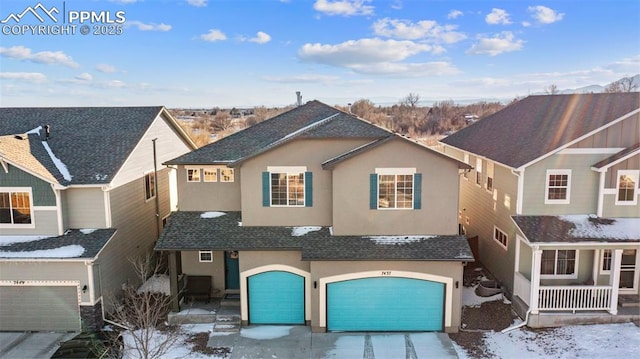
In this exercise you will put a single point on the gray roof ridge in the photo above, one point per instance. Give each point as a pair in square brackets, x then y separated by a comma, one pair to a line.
[339, 158]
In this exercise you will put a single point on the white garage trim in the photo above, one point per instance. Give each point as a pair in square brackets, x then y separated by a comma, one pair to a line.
[244, 305]
[448, 305]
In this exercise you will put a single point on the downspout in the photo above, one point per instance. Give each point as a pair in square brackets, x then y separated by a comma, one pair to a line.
[519, 199]
[155, 185]
[57, 193]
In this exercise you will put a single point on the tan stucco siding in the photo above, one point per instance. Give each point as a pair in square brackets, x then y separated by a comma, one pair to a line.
[255, 259]
[46, 272]
[208, 196]
[351, 193]
[85, 207]
[451, 270]
[191, 265]
[308, 152]
[621, 135]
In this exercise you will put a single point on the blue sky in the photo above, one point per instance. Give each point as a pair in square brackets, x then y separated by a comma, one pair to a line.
[206, 53]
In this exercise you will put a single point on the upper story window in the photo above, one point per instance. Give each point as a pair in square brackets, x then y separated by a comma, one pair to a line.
[193, 175]
[479, 171]
[395, 188]
[15, 207]
[500, 237]
[210, 174]
[627, 185]
[286, 186]
[490, 170]
[559, 263]
[226, 175]
[558, 187]
[149, 185]
[205, 256]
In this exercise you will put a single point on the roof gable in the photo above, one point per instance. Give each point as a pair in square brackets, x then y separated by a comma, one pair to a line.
[537, 125]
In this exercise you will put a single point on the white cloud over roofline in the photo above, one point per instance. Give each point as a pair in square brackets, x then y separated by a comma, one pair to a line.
[423, 29]
[344, 7]
[496, 45]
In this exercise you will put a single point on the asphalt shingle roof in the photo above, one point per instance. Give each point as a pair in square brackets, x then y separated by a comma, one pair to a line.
[622, 154]
[92, 241]
[92, 142]
[536, 125]
[330, 121]
[188, 231]
[578, 228]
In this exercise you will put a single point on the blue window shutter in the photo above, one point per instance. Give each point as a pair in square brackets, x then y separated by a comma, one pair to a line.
[308, 189]
[417, 191]
[266, 195]
[373, 191]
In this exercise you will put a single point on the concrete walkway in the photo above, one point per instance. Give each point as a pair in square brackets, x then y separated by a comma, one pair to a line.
[21, 345]
[298, 342]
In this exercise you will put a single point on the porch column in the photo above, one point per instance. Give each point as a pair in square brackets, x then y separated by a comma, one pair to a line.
[173, 281]
[614, 279]
[535, 280]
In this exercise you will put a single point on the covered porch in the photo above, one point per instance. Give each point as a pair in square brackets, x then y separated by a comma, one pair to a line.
[562, 279]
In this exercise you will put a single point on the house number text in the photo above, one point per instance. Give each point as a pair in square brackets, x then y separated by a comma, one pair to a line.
[18, 282]
[386, 273]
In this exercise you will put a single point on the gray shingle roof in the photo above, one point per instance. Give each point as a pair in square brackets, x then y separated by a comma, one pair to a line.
[578, 228]
[618, 156]
[93, 142]
[188, 231]
[92, 242]
[332, 123]
[536, 125]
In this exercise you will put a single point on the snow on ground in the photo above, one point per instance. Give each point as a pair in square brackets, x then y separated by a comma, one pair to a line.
[195, 311]
[301, 231]
[179, 349]
[156, 283]
[264, 332]
[212, 214]
[471, 299]
[396, 239]
[620, 228]
[9, 240]
[56, 161]
[69, 251]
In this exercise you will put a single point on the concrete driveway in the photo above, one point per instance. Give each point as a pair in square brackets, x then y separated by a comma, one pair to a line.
[298, 342]
[21, 345]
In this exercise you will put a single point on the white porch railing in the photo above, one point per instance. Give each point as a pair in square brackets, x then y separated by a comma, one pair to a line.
[522, 287]
[574, 298]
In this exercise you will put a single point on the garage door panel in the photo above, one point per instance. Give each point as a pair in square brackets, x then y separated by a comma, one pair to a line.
[385, 304]
[276, 297]
[39, 308]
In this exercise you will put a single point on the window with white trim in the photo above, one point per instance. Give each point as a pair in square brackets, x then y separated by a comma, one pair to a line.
[627, 186]
[193, 175]
[226, 175]
[287, 186]
[479, 171]
[205, 256]
[500, 237]
[149, 185]
[395, 191]
[605, 261]
[490, 169]
[210, 174]
[15, 207]
[559, 263]
[558, 187]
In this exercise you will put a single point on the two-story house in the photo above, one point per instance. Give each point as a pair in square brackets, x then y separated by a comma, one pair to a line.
[80, 194]
[553, 198]
[317, 217]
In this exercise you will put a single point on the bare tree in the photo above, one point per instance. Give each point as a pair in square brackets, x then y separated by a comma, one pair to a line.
[144, 313]
[411, 100]
[363, 108]
[552, 89]
[625, 84]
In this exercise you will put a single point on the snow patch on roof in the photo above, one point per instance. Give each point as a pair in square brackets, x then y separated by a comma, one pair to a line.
[35, 131]
[9, 240]
[590, 226]
[212, 214]
[70, 251]
[158, 283]
[59, 164]
[397, 239]
[88, 230]
[301, 231]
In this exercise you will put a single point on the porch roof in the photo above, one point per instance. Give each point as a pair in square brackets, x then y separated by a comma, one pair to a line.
[192, 231]
[578, 229]
[73, 244]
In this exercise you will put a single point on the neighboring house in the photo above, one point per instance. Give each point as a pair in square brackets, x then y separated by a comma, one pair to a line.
[553, 198]
[79, 196]
[317, 217]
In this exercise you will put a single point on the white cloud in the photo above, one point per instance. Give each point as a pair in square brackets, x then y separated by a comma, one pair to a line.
[213, 35]
[436, 68]
[124, 1]
[197, 3]
[343, 7]
[498, 17]
[454, 14]
[500, 43]
[545, 15]
[397, 5]
[424, 29]
[302, 78]
[115, 84]
[150, 26]
[85, 76]
[627, 66]
[361, 51]
[42, 57]
[261, 38]
[35, 77]
[109, 69]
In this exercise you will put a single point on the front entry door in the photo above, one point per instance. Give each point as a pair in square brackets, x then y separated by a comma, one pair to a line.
[232, 270]
[629, 271]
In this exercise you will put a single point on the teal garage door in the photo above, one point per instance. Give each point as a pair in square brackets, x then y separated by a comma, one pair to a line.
[276, 297]
[385, 304]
